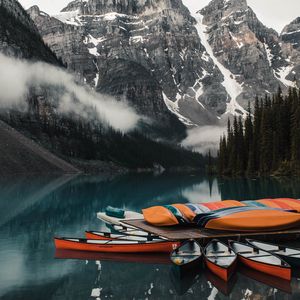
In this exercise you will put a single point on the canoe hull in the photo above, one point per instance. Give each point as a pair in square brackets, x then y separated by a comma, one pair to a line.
[255, 221]
[277, 271]
[223, 273]
[159, 247]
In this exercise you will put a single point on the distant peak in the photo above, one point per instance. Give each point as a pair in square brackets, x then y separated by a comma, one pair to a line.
[228, 5]
[74, 5]
[34, 11]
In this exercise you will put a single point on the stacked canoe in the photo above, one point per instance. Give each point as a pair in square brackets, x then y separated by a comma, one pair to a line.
[230, 215]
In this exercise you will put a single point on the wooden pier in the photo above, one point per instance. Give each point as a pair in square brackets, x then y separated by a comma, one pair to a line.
[204, 235]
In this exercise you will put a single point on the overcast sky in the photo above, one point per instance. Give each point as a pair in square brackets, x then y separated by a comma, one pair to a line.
[273, 13]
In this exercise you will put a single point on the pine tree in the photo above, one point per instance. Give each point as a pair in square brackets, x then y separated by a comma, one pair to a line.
[256, 133]
[249, 157]
[268, 141]
[266, 135]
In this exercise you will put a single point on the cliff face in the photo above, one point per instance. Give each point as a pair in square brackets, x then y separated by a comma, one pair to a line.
[159, 36]
[248, 49]
[202, 67]
[290, 39]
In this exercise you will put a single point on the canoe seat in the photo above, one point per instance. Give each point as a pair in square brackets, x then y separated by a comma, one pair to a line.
[259, 255]
[220, 256]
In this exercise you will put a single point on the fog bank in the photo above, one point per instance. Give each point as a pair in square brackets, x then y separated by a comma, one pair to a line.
[203, 139]
[17, 76]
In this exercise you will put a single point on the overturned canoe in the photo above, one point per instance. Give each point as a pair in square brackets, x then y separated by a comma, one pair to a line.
[220, 259]
[261, 260]
[212, 206]
[121, 246]
[248, 219]
[288, 204]
[174, 214]
[167, 215]
[290, 255]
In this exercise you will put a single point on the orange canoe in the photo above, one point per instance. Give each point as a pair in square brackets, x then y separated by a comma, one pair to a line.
[222, 204]
[107, 236]
[220, 259]
[114, 246]
[283, 203]
[256, 220]
[261, 261]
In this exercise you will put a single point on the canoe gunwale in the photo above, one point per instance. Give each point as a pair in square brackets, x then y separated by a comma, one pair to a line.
[119, 236]
[262, 266]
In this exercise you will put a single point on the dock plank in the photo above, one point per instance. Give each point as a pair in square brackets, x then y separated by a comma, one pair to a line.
[183, 233]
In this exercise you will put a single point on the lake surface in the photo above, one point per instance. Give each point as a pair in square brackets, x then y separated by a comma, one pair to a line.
[33, 210]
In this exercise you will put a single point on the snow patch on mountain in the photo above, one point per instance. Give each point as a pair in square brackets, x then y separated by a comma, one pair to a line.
[69, 17]
[233, 88]
[282, 73]
[174, 108]
[90, 40]
[270, 56]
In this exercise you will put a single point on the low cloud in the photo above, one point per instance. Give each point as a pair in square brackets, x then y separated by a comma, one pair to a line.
[17, 76]
[203, 139]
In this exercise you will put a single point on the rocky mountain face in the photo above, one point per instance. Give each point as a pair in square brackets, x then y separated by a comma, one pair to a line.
[158, 55]
[250, 51]
[45, 103]
[290, 39]
[149, 52]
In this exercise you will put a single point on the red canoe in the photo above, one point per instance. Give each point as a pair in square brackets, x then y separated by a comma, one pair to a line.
[261, 261]
[220, 259]
[113, 246]
[98, 235]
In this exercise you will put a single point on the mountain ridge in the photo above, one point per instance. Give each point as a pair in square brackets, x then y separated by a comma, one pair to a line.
[198, 87]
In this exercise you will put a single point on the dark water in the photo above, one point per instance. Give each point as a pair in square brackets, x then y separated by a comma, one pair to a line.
[33, 210]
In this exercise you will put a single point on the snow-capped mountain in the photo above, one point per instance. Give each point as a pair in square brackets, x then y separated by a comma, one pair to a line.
[246, 48]
[161, 56]
[119, 47]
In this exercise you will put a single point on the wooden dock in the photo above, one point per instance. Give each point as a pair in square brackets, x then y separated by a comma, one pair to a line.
[203, 235]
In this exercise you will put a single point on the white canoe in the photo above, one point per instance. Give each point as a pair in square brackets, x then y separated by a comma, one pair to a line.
[129, 215]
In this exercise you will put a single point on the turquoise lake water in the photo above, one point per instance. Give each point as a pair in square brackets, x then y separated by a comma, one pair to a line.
[33, 210]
